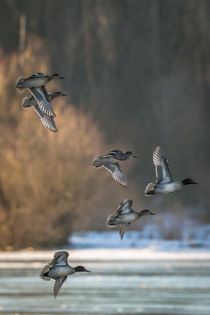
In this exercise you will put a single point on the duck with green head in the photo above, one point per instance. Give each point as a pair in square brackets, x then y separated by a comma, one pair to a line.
[59, 269]
[165, 183]
[125, 215]
[110, 162]
[46, 120]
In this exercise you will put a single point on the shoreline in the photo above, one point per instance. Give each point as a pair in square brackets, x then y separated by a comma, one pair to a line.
[107, 255]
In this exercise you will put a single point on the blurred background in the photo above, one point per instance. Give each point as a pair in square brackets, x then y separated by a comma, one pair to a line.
[137, 74]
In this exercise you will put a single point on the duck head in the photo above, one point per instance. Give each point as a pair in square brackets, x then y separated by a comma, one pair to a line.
[55, 94]
[56, 76]
[58, 94]
[146, 212]
[81, 269]
[129, 153]
[188, 181]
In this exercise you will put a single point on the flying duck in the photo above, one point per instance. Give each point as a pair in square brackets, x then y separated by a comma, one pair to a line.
[58, 269]
[110, 162]
[125, 215]
[36, 80]
[47, 121]
[164, 184]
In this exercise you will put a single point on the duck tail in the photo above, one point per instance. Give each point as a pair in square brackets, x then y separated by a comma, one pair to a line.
[111, 221]
[44, 273]
[149, 190]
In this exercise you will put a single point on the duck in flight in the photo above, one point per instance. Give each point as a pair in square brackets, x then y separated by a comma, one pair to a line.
[110, 162]
[58, 269]
[46, 120]
[36, 85]
[125, 215]
[36, 80]
[164, 184]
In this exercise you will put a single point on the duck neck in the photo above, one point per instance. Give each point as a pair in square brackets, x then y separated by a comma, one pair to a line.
[128, 154]
[140, 214]
[71, 270]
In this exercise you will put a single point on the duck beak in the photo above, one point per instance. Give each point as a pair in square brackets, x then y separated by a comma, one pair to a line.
[63, 94]
[194, 183]
[87, 270]
[62, 78]
[135, 156]
[152, 213]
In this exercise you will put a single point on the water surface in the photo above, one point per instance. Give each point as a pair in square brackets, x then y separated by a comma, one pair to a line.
[157, 286]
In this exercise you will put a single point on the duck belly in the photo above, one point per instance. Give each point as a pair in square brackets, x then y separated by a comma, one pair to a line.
[127, 218]
[167, 188]
[60, 271]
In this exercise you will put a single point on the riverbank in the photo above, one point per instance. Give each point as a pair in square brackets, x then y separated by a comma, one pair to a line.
[107, 255]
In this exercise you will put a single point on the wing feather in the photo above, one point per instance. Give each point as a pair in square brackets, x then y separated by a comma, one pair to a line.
[160, 162]
[40, 94]
[47, 121]
[123, 228]
[58, 283]
[116, 172]
[124, 207]
[61, 257]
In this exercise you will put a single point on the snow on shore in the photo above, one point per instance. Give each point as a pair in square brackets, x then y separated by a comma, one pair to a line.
[147, 244]
[107, 255]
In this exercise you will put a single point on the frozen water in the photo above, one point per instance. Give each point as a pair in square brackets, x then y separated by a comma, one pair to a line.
[123, 286]
[193, 236]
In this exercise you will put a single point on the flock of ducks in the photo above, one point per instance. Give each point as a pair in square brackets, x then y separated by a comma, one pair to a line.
[58, 269]
[40, 99]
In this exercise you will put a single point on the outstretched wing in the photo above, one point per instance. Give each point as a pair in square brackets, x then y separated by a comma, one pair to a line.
[116, 172]
[47, 121]
[161, 166]
[58, 283]
[123, 228]
[61, 257]
[40, 95]
[124, 207]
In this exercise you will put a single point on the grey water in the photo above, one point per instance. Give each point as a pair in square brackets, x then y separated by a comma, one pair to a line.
[113, 287]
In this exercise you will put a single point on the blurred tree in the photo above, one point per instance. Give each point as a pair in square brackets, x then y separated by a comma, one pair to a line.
[140, 67]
